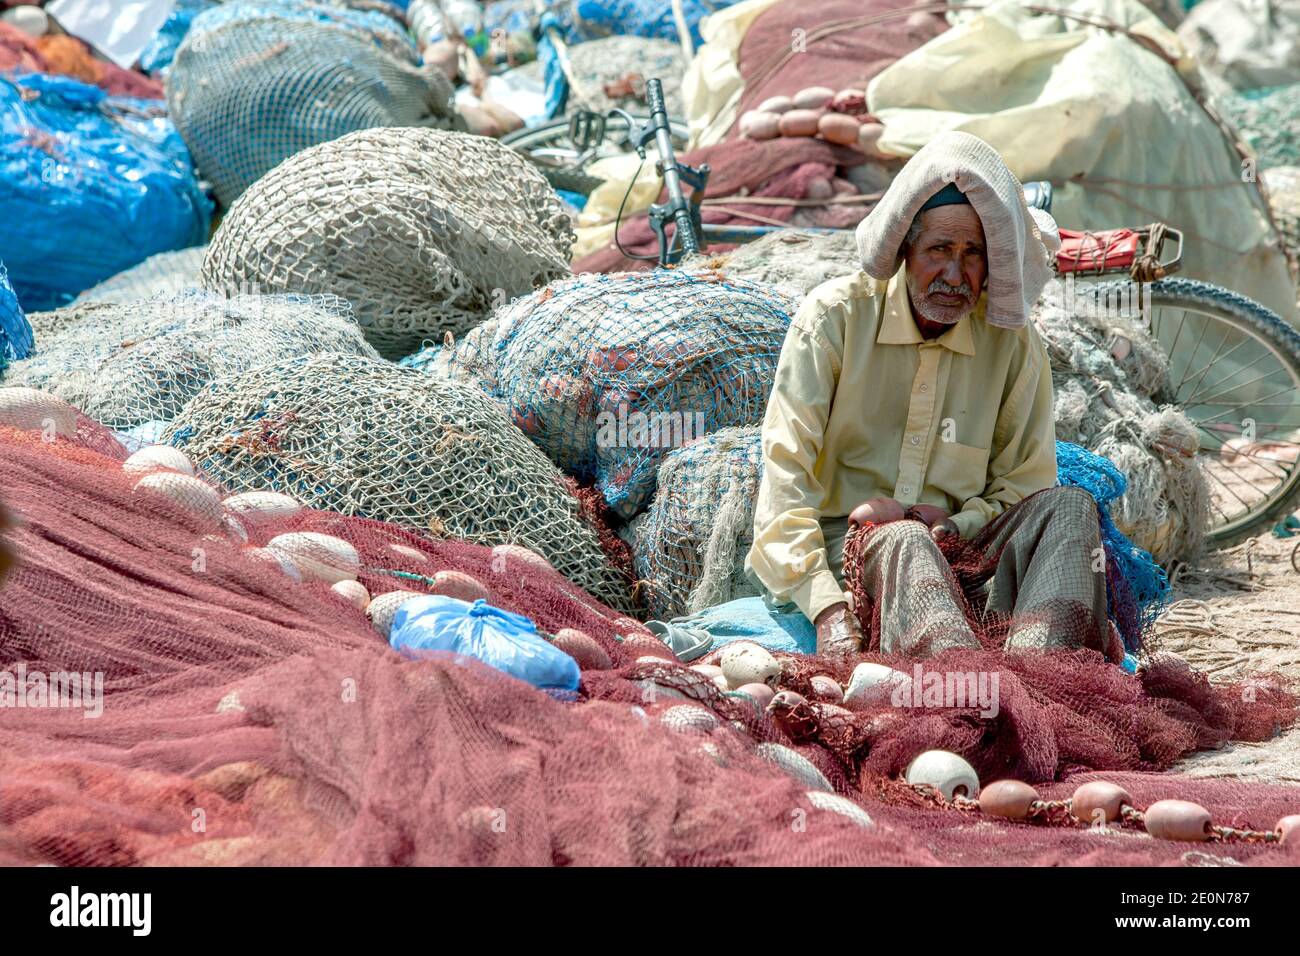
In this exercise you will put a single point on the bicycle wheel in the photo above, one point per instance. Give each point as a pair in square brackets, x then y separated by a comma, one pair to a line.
[564, 165]
[1234, 371]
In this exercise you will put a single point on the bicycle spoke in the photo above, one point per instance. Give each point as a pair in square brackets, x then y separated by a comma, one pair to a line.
[1228, 354]
[1210, 400]
[1196, 348]
[1262, 403]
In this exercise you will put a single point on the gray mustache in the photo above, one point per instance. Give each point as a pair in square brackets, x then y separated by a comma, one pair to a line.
[938, 285]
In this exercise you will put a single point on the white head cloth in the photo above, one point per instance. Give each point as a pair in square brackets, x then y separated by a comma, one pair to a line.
[1017, 258]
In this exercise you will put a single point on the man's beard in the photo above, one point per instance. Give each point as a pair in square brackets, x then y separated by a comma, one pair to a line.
[938, 312]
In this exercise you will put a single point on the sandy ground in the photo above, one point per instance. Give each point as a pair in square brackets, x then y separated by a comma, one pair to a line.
[1234, 613]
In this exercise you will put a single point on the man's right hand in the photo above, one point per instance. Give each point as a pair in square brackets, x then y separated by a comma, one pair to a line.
[838, 632]
[877, 511]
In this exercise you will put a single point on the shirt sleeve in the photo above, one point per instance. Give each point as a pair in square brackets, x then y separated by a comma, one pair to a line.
[1022, 460]
[788, 555]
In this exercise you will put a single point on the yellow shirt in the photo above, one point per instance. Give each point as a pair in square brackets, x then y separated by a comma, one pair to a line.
[864, 407]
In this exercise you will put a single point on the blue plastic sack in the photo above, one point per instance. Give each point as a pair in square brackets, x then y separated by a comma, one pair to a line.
[508, 642]
[15, 330]
[752, 619]
[90, 185]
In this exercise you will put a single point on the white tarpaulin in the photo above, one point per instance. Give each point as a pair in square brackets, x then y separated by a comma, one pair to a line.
[119, 29]
[1109, 123]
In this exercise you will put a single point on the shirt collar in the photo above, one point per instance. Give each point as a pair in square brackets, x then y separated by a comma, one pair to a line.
[898, 328]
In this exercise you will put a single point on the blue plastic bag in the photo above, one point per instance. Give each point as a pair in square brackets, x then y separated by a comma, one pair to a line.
[90, 185]
[162, 48]
[508, 642]
[15, 330]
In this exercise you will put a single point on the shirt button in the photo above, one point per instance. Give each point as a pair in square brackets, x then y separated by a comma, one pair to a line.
[925, 388]
[906, 489]
[916, 440]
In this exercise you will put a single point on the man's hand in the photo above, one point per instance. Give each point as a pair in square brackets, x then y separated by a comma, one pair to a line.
[838, 632]
[877, 511]
[935, 518]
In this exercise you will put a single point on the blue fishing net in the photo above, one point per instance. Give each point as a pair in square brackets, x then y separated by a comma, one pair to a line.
[15, 332]
[607, 373]
[89, 185]
[1137, 588]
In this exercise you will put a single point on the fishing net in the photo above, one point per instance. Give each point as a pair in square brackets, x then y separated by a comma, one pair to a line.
[165, 273]
[1269, 122]
[689, 546]
[793, 259]
[364, 437]
[423, 231]
[253, 83]
[606, 373]
[611, 72]
[1111, 379]
[136, 364]
[249, 720]
[1283, 184]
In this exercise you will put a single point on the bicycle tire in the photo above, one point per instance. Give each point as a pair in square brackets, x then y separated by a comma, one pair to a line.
[1266, 326]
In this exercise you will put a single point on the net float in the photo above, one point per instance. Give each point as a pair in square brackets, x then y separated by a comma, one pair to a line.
[1179, 820]
[383, 608]
[946, 772]
[320, 556]
[1099, 796]
[1008, 798]
[262, 504]
[234, 529]
[825, 687]
[839, 128]
[29, 409]
[849, 101]
[746, 663]
[354, 592]
[157, 458]
[799, 122]
[812, 97]
[796, 765]
[819, 187]
[760, 125]
[459, 585]
[761, 694]
[406, 552]
[185, 491]
[869, 138]
[776, 104]
[845, 807]
[1288, 830]
[283, 564]
[708, 670]
[504, 553]
[583, 648]
[873, 684]
[689, 719]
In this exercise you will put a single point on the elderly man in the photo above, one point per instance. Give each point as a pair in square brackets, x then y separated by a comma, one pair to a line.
[915, 399]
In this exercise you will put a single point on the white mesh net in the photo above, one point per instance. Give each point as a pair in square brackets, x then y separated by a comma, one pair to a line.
[364, 437]
[409, 225]
[129, 364]
[166, 272]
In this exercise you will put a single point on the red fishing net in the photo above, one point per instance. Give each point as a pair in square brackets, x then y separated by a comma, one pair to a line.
[248, 719]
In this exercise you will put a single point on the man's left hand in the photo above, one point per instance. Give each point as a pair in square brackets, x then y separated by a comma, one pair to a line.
[935, 518]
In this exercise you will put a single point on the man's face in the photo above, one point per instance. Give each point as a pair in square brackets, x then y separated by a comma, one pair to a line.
[946, 265]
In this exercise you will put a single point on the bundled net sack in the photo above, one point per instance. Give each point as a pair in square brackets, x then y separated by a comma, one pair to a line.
[1117, 407]
[689, 546]
[423, 231]
[89, 185]
[255, 82]
[162, 274]
[793, 259]
[364, 437]
[612, 71]
[1283, 184]
[1269, 122]
[607, 373]
[15, 330]
[277, 709]
[126, 379]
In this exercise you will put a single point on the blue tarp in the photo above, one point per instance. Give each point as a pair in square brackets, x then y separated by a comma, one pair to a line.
[162, 48]
[89, 185]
